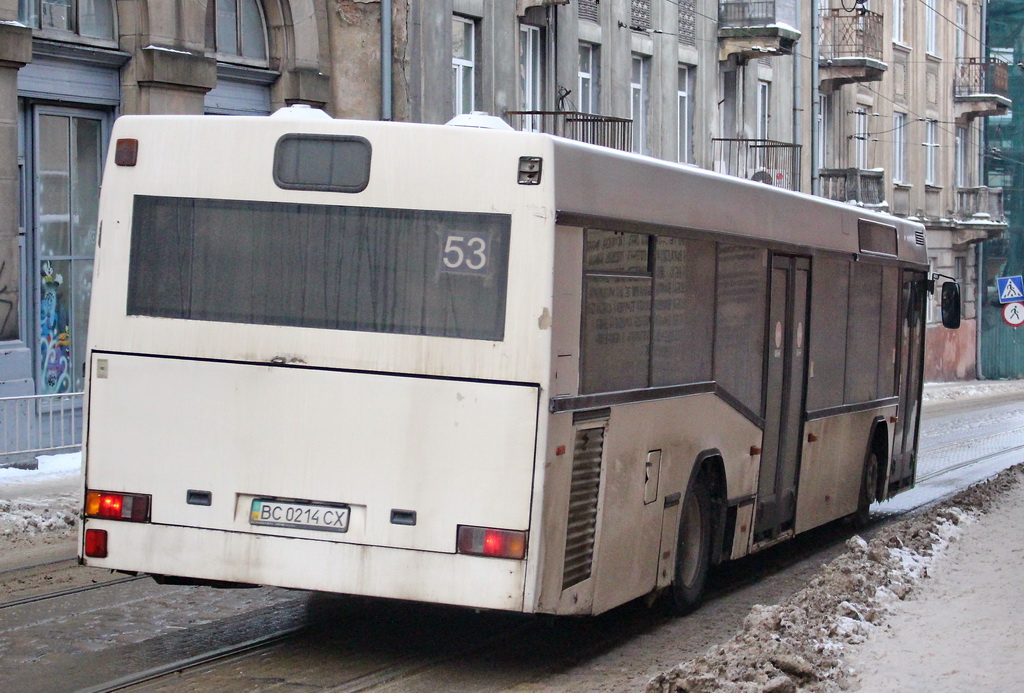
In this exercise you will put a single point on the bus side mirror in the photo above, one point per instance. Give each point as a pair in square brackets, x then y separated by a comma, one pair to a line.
[951, 305]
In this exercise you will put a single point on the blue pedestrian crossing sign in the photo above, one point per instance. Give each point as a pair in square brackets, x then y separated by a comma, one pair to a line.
[1011, 289]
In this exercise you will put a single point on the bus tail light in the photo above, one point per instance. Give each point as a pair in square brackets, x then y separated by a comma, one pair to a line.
[499, 543]
[133, 507]
[96, 543]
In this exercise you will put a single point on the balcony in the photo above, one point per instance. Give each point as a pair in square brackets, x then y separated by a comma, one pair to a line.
[850, 48]
[981, 87]
[978, 217]
[754, 28]
[607, 131]
[858, 186]
[765, 161]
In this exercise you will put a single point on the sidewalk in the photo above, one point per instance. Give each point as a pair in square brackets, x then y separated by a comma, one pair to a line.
[962, 629]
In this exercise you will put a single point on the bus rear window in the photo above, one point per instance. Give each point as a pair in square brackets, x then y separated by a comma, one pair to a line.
[398, 271]
[322, 162]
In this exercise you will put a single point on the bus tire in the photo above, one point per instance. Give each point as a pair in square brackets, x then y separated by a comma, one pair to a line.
[693, 550]
[868, 490]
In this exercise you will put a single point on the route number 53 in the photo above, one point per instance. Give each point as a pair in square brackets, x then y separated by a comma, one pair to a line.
[465, 254]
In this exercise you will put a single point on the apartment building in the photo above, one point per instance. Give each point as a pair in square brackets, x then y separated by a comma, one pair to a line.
[877, 103]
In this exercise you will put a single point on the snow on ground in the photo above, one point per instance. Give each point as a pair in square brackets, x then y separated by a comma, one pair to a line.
[39, 502]
[803, 643]
[938, 392]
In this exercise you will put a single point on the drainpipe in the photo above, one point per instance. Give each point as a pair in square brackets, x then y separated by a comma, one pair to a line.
[815, 52]
[798, 99]
[385, 59]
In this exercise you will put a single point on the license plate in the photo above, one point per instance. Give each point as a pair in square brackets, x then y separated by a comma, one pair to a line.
[272, 513]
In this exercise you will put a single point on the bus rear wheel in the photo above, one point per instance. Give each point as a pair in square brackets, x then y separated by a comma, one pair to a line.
[868, 490]
[693, 553]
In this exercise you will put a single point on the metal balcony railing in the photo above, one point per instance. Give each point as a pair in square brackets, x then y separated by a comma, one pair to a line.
[607, 131]
[861, 186]
[846, 35]
[746, 13]
[974, 76]
[766, 161]
[981, 203]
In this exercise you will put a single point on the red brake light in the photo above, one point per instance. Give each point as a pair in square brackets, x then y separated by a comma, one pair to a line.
[96, 543]
[133, 507]
[499, 543]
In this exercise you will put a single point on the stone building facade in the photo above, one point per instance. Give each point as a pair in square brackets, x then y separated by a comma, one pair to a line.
[877, 103]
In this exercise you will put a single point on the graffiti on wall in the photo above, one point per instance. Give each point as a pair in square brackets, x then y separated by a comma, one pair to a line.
[55, 333]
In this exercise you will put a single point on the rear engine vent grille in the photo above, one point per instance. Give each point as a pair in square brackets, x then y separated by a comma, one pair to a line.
[919, 236]
[582, 525]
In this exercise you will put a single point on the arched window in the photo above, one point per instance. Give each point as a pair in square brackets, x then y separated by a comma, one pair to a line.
[89, 18]
[241, 30]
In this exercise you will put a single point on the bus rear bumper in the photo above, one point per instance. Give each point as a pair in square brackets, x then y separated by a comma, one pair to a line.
[374, 571]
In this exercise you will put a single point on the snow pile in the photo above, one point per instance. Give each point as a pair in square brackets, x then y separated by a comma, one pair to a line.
[30, 517]
[50, 466]
[939, 392]
[798, 645]
[42, 501]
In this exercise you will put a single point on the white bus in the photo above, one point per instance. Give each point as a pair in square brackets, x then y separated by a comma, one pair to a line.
[478, 367]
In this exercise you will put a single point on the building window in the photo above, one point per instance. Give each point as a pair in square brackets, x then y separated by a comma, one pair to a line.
[931, 148]
[962, 169]
[463, 65]
[860, 139]
[639, 101]
[825, 131]
[899, 147]
[931, 37]
[241, 30]
[89, 18]
[961, 30]
[731, 103]
[684, 116]
[764, 115]
[589, 85]
[531, 74]
[960, 270]
[898, 9]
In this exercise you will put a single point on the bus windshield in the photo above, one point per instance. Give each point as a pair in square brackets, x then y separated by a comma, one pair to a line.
[367, 269]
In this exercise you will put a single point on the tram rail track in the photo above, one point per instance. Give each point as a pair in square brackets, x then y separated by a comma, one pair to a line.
[69, 591]
[222, 653]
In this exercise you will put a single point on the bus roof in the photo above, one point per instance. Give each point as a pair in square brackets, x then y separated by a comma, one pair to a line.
[590, 185]
[595, 183]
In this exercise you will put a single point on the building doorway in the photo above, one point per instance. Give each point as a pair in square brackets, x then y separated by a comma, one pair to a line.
[66, 148]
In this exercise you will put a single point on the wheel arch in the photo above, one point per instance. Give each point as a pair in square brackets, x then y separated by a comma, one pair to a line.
[711, 464]
[878, 444]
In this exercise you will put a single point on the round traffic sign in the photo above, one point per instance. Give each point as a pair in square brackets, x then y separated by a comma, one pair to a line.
[1013, 313]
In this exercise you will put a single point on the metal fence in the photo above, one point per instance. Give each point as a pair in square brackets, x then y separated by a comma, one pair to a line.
[766, 161]
[845, 35]
[976, 76]
[607, 131]
[38, 424]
